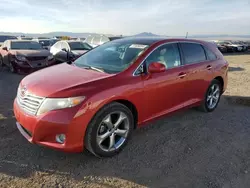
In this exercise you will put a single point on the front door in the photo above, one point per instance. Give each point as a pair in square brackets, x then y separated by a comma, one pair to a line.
[164, 92]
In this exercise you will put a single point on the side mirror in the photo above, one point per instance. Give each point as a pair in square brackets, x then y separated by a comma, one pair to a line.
[64, 49]
[156, 67]
[5, 48]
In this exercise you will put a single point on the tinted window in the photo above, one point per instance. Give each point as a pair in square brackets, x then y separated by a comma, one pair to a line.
[44, 42]
[79, 46]
[4, 38]
[167, 54]
[112, 57]
[53, 41]
[193, 53]
[210, 54]
[25, 45]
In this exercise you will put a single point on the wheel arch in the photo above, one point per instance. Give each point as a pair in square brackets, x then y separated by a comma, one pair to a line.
[131, 107]
[220, 79]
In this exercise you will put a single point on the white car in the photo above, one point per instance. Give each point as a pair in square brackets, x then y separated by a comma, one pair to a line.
[96, 40]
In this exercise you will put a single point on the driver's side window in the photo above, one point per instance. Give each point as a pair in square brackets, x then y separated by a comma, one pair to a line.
[167, 54]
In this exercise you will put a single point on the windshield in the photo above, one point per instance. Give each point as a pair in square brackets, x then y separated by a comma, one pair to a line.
[25, 45]
[4, 38]
[45, 42]
[112, 57]
[79, 46]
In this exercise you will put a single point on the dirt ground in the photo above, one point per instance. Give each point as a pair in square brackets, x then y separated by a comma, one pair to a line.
[188, 149]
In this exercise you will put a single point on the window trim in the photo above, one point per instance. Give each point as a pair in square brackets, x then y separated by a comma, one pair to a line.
[143, 62]
[191, 42]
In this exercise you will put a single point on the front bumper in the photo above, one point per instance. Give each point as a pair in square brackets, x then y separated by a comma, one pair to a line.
[42, 130]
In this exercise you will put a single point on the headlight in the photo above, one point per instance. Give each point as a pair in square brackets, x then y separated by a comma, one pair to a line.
[50, 57]
[20, 58]
[50, 104]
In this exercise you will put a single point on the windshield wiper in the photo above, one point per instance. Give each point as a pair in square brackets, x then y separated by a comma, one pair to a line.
[93, 68]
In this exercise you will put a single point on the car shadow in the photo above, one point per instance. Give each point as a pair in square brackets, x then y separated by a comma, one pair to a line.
[238, 100]
[236, 53]
[233, 69]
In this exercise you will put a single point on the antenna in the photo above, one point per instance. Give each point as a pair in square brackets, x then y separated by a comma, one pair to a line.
[187, 35]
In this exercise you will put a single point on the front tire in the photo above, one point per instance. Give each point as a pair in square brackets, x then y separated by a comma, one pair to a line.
[109, 130]
[212, 97]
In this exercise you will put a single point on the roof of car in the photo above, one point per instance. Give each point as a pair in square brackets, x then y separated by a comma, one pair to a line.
[152, 40]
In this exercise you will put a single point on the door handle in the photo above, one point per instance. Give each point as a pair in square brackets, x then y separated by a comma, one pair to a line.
[209, 67]
[182, 75]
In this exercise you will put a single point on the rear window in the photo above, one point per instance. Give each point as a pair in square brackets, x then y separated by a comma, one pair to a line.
[79, 46]
[25, 45]
[210, 54]
[4, 38]
[193, 53]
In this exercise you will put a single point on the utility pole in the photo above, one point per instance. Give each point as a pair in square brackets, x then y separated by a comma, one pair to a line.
[186, 35]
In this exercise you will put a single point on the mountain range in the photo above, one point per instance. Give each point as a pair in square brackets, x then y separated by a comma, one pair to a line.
[143, 34]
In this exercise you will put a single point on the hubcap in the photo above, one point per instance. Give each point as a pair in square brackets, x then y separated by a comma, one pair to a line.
[113, 131]
[213, 96]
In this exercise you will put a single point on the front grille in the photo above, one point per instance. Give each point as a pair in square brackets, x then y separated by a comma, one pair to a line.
[36, 58]
[28, 102]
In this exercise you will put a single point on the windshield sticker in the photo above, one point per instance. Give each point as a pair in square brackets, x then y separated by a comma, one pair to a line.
[140, 46]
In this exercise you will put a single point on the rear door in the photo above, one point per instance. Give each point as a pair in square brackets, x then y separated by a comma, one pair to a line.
[199, 69]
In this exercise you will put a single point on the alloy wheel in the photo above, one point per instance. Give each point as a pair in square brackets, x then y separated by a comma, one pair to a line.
[213, 96]
[113, 131]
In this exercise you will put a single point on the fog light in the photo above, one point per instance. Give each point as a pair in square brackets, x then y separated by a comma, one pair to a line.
[60, 138]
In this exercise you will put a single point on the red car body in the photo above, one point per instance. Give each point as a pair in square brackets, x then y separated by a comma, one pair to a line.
[145, 94]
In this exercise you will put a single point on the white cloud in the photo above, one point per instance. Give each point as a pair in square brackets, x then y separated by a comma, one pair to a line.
[127, 16]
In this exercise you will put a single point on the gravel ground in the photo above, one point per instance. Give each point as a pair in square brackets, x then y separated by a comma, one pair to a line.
[188, 149]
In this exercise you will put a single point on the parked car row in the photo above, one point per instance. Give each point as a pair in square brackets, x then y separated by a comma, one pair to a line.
[30, 55]
[232, 46]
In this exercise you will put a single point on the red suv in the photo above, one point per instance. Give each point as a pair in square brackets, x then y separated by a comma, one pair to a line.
[98, 100]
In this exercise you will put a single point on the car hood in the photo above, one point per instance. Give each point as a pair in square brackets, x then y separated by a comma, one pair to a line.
[79, 52]
[31, 53]
[60, 80]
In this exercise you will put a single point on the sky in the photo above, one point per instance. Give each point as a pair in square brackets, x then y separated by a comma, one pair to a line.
[127, 17]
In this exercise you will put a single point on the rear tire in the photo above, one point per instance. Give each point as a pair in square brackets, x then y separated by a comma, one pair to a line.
[105, 137]
[212, 97]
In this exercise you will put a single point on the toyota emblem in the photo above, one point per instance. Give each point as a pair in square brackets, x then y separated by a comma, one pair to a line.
[23, 91]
